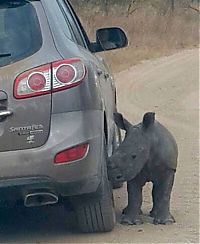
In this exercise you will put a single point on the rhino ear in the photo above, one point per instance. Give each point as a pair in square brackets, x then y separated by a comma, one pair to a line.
[148, 119]
[121, 122]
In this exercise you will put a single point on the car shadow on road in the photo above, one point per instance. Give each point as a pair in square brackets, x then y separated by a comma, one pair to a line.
[24, 225]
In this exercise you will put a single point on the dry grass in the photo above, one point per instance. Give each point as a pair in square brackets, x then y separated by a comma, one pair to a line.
[151, 34]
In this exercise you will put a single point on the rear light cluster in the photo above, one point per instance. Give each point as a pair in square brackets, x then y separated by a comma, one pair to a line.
[72, 154]
[59, 75]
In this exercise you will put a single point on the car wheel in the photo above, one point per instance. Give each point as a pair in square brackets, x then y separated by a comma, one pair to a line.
[97, 214]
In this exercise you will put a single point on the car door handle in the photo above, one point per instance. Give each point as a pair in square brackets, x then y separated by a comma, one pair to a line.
[100, 72]
[5, 113]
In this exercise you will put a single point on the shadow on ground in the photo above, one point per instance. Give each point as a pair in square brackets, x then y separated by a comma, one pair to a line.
[35, 223]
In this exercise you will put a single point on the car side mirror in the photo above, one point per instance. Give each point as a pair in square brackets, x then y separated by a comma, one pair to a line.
[109, 39]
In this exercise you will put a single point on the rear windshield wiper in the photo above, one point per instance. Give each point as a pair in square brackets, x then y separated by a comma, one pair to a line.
[3, 55]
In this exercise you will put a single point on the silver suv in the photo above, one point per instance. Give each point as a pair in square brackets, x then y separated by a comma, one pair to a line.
[57, 100]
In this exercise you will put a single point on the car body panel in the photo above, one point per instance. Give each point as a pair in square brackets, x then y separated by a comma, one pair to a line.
[67, 130]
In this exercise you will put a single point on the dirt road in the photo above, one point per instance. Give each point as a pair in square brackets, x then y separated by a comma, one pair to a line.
[168, 86]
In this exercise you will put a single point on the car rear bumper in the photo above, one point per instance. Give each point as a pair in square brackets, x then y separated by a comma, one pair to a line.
[26, 170]
[13, 190]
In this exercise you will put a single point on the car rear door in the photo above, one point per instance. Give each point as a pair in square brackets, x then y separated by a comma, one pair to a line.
[24, 112]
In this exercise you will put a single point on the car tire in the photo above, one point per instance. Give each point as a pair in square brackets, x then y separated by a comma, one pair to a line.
[97, 214]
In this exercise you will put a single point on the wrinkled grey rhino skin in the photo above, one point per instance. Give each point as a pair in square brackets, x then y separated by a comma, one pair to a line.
[148, 153]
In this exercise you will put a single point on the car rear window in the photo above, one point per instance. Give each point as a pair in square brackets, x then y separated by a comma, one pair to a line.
[20, 34]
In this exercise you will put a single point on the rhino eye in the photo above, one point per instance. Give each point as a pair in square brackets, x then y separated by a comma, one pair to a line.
[133, 156]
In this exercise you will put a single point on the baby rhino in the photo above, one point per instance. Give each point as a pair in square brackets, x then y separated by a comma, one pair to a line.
[148, 153]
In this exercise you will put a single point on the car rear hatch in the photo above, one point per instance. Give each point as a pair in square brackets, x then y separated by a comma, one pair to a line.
[25, 97]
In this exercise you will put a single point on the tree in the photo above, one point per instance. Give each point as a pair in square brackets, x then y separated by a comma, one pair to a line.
[172, 5]
[104, 6]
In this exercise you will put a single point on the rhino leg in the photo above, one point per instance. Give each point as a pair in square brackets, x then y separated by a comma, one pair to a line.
[162, 187]
[153, 212]
[131, 214]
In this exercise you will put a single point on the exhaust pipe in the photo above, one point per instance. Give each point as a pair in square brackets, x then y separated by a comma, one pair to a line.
[40, 199]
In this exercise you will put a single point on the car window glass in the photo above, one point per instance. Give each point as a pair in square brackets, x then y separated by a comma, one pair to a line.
[20, 33]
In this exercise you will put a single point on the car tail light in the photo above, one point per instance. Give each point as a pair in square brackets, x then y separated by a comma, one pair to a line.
[67, 73]
[72, 154]
[33, 83]
[59, 75]
[37, 82]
